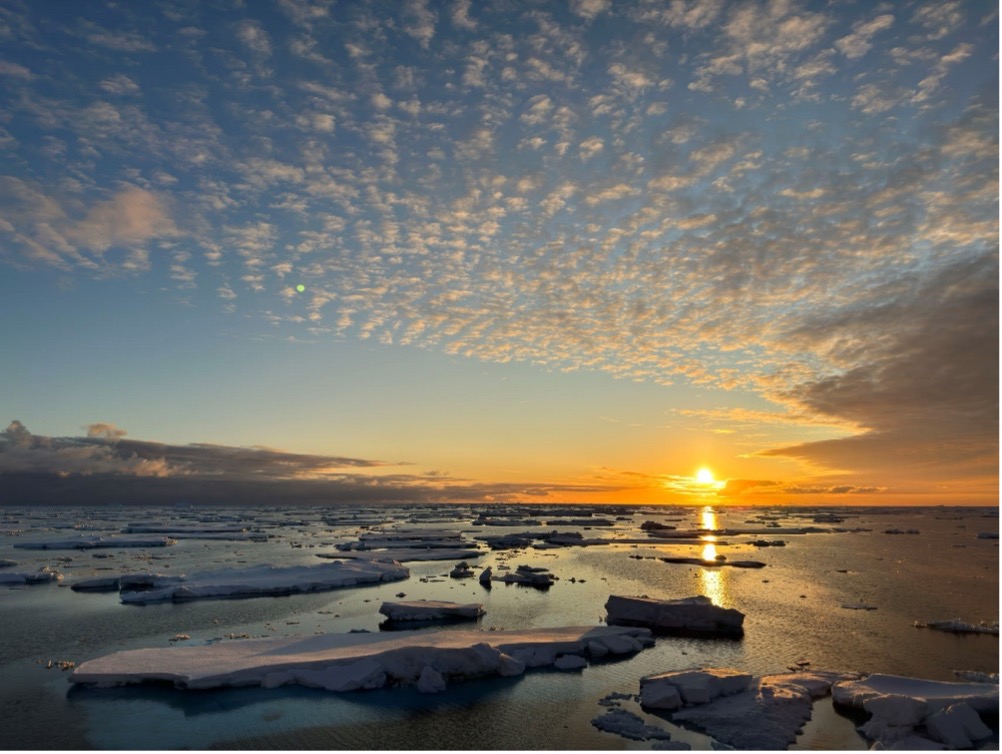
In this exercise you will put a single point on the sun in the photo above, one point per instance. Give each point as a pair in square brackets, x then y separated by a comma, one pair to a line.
[705, 476]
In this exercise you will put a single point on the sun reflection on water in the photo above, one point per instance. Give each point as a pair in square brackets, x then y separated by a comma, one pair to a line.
[712, 580]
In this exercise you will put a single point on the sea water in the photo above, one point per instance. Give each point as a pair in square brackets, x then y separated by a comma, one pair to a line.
[912, 564]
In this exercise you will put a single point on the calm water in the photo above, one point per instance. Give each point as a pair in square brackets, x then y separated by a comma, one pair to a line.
[793, 610]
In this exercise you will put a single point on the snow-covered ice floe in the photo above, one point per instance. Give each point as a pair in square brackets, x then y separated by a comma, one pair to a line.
[958, 626]
[402, 554]
[96, 542]
[260, 581]
[738, 710]
[697, 615]
[418, 610]
[348, 662]
[915, 713]
[43, 575]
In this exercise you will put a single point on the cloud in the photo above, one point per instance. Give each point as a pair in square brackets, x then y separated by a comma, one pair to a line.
[927, 391]
[105, 468]
[590, 9]
[253, 35]
[857, 44]
[133, 216]
[104, 431]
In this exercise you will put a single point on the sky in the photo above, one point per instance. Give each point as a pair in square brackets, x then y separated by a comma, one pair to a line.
[685, 251]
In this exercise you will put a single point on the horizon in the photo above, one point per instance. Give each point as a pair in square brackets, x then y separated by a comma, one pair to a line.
[579, 252]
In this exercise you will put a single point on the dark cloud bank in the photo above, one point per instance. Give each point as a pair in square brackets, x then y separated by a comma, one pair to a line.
[106, 468]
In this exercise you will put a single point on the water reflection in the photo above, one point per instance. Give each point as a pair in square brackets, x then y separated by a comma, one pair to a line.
[712, 580]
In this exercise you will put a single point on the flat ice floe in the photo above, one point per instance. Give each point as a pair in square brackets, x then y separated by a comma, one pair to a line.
[261, 581]
[403, 554]
[43, 575]
[695, 614]
[958, 626]
[418, 610]
[915, 713]
[767, 715]
[347, 662]
[96, 542]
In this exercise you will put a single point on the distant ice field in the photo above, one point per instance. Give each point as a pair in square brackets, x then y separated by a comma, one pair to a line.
[804, 608]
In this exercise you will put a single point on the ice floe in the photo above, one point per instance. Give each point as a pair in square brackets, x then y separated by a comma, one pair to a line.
[96, 542]
[260, 581]
[347, 662]
[43, 575]
[402, 554]
[674, 689]
[717, 563]
[534, 576]
[958, 626]
[418, 610]
[697, 615]
[769, 714]
[628, 725]
[913, 709]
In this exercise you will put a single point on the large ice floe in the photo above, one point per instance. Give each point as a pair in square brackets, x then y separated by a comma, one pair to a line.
[421, 610]
[348, 662]
[96, 542]
[259, 581]
[736, 709]
[692, 615]
[911, 713]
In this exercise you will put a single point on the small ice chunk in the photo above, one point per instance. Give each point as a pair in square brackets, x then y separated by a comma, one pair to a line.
[957, 726]
[431, 681]
[958, 626]
[628, 725]
[697, 686]
[570, 662]
[895, 709]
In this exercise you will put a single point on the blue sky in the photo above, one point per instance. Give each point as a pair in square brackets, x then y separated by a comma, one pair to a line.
[521, 251]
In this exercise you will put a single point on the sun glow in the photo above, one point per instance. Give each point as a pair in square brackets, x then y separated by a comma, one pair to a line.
[705, 476]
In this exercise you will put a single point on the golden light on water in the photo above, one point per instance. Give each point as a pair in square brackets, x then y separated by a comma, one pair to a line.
[712, 580]
[709, 518]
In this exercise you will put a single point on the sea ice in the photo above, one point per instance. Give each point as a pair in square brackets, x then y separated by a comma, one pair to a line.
[628, 725]
[695, 614]
[977, 676]
[958, 626]
[43, 575]
[899, 705]
[403, 554]
[96, 542]
[261, 581]
[430, 610]
[673, 689]
[713, 563]
[528, 576]
[768, 715]
[345, 662]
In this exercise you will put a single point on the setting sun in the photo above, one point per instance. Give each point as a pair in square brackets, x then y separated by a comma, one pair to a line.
[705, 476]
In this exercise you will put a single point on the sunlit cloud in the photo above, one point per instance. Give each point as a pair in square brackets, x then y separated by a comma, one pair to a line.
[507, 185]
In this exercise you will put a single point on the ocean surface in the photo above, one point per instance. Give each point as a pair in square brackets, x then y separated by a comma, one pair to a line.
[907, 565]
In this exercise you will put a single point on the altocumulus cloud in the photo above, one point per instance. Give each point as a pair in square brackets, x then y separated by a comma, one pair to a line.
[505, 183]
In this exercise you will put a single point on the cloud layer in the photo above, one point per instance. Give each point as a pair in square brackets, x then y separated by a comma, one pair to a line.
[792, 199]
